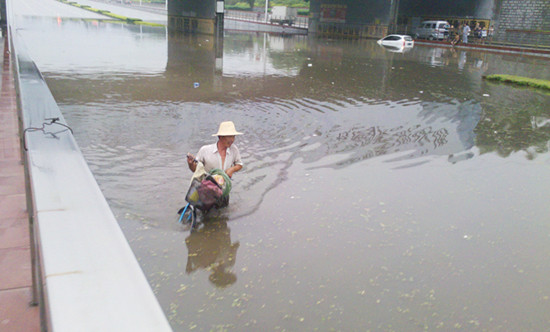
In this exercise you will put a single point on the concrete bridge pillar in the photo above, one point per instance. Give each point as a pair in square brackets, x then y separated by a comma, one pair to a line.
[198, 16]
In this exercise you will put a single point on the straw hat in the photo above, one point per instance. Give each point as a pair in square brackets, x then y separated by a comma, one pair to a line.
[227, 128]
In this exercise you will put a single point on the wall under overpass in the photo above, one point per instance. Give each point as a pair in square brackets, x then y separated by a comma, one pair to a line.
[523, 22]
[351, 18]
[457, 8]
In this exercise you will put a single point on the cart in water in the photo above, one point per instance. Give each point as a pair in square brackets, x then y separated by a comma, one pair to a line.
[207, 190]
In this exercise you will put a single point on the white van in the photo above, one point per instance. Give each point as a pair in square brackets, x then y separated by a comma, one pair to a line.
[283, 15]
[433, 30]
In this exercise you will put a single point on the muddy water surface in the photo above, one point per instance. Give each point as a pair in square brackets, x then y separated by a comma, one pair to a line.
[381, 190]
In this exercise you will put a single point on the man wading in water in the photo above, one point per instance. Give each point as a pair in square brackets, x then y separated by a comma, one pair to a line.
[222, 155]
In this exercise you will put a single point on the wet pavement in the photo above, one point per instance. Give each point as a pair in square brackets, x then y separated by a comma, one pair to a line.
[16, 311]
[382, 190]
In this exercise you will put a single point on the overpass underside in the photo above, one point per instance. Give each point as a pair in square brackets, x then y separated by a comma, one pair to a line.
[376, 18]
[515, 22]
[519, 22]
[345, 18]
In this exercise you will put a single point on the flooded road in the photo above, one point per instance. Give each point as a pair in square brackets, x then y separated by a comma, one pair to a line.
[381, 190]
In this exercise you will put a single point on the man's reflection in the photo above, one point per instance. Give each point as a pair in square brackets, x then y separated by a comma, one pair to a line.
[462, 60]
[210, 248]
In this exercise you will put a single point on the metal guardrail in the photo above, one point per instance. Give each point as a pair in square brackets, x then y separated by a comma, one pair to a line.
[88, 277]
[259, 17]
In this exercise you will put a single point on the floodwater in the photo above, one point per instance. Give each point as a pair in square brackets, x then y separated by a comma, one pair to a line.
[381, 190]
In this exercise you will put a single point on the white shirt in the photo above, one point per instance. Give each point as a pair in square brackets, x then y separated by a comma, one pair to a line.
[211, 158]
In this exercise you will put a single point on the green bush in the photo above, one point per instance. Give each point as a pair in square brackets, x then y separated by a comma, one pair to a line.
[238, 6]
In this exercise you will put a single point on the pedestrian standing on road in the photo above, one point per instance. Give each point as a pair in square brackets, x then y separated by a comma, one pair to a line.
[483, 35]
[465, 32]
[477, 31]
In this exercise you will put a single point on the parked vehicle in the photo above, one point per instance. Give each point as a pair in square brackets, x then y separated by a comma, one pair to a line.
[397, 41]
[283, 15]
[431, 30]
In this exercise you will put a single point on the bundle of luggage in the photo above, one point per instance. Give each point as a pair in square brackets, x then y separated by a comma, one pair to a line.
[208, 189]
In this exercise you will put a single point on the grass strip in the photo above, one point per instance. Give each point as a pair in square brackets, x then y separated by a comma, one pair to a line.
[521, 81]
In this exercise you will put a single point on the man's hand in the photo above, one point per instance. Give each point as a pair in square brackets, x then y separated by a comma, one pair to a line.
[232, 170]
[190, 158]
[191, 162]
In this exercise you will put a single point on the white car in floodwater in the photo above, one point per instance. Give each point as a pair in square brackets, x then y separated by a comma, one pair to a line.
[397, 41]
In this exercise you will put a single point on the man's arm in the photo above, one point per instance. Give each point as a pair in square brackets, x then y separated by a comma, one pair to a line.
[237, 162]
[233, 169]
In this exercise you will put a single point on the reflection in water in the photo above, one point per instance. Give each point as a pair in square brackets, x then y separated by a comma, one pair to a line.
[506, 130]
[462, 60]
[396, 49]
[381, 190]
[253, 55]
[101, 54]
[210, 248]
[428, 128]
